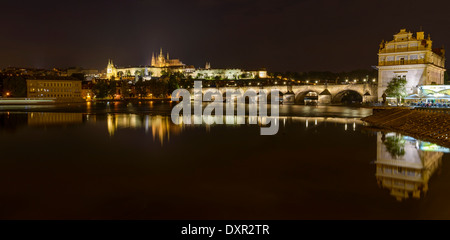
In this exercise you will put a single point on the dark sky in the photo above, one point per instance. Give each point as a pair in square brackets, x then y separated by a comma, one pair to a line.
[279, 35]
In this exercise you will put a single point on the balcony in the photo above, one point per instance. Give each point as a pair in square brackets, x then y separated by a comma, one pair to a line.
[401, 62]
[406, 49]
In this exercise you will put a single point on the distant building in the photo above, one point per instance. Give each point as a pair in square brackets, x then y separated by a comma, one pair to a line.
[161, 63]
[60, 90]
[89, 74]
[410, 57]
[157, 66]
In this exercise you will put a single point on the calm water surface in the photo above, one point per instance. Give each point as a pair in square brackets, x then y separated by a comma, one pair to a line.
[129, 161]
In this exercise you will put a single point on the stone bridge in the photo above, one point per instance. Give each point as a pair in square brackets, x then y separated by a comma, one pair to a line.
[326, 93]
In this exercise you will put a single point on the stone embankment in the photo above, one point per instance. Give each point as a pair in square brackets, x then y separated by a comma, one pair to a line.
[433, 126]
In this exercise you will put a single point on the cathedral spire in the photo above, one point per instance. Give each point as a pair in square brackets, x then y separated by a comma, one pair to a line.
[153, 63]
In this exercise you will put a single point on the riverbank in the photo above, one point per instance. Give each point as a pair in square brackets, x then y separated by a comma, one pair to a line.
[431, 126]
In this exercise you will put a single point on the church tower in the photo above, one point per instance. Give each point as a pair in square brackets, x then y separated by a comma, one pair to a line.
[111, 70]
[153, 64]
[161, 61]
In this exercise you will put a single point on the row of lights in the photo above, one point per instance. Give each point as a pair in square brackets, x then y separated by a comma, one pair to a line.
[364, 80]
[307, 81]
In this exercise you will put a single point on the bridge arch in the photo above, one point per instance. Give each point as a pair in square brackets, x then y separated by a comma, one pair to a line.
[348, 96]
[300, 96]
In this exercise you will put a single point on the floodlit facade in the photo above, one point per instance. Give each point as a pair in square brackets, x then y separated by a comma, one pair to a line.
[412, 57]
[60, 90]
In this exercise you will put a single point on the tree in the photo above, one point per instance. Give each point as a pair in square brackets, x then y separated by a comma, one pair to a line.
[100, 89]
[395, 145]
[446, 78]
[112, 88]
[125, 89]
[396, 88]
[16, 86]
[141, 88]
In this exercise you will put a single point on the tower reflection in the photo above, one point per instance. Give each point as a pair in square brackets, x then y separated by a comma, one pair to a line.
[405, 165]
[161, 127]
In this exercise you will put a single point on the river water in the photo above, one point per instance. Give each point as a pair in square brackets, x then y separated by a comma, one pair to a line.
[129, 161]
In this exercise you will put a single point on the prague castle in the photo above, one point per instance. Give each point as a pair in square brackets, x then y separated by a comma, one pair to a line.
[160, 64]
[411, 57]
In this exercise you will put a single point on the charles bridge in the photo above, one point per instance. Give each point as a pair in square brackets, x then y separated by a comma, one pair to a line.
[324, 93]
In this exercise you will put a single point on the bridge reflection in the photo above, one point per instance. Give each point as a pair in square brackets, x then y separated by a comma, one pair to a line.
[405, 165]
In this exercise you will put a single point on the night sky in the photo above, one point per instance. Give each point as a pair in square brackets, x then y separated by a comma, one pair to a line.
[278, 35]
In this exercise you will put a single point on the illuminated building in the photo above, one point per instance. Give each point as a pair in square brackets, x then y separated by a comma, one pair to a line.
[410, 57]
[157, 66]
[160, 63]
[405, 165]
[60, 90]
[431, 93]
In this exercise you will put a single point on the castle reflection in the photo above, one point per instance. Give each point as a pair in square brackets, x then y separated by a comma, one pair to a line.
[161, 127]
[405, 165]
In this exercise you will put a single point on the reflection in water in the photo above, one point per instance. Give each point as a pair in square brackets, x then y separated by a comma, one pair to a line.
[53, 118]
[309, 168]
[395, 145]
[161, 126]
[405, 165]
